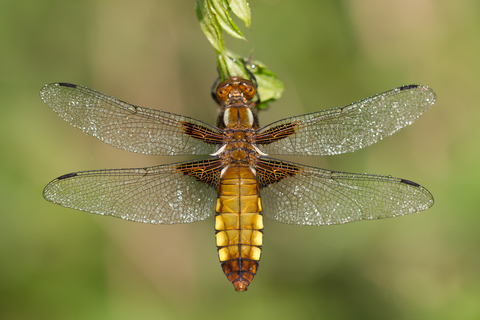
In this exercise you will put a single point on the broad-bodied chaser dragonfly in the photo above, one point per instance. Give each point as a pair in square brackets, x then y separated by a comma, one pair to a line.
[238, 181]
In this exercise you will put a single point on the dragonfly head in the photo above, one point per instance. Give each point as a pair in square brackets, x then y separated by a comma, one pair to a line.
[234, 91]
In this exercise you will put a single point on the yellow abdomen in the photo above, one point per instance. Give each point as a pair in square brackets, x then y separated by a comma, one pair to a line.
[239, 225]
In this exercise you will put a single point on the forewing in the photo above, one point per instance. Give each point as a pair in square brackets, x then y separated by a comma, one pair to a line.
[168, 194]
[348, 128]
[301, 195]
[129, 127]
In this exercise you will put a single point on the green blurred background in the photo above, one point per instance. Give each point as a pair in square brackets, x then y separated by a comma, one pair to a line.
[57, 263]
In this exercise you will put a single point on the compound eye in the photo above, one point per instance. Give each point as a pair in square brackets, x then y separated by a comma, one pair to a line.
[249, 90]
[222, 93]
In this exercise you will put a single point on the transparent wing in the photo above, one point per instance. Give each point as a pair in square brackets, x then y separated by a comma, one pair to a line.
[129, 127]
[348, 128]
[301, 195]
[168, 194]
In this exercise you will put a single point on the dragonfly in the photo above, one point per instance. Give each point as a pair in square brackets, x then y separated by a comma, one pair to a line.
[237, 179]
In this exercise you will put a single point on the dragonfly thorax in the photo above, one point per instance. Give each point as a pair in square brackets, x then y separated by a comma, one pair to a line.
[238, 146]
[238, 117]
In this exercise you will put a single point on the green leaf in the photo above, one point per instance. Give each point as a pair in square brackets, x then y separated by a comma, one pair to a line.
[221, 9]
[214, 17]
[270, 88]
[231, 65]
[241, 10]
[210, 25]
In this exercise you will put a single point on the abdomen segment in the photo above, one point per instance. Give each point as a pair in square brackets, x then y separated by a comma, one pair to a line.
[239, 225]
